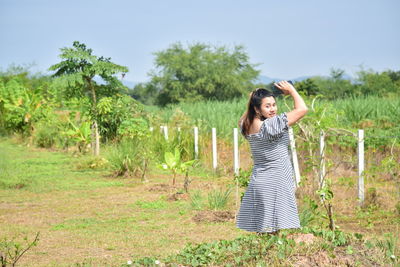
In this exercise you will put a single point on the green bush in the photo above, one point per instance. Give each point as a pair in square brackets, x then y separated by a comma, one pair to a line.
[46, 135]
[131, 157]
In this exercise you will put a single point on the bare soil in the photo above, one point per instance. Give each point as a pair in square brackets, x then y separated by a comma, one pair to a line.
[213, 216]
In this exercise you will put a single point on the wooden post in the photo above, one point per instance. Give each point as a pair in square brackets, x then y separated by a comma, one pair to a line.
[360, 153]
[235, 151]
[294, 156]
[196, 142]
[322, 159]
[214, 148]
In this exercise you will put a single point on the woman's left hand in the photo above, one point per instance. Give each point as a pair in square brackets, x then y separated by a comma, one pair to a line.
[285, 87]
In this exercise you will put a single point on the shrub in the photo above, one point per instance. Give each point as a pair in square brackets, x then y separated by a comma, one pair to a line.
[131, 157]
[11, 251]
[46, 135]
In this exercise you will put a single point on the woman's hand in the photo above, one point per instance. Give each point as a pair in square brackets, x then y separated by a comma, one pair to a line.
[285, 87]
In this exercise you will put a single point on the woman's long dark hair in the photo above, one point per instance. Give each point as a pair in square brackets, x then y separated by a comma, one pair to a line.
[255, 101]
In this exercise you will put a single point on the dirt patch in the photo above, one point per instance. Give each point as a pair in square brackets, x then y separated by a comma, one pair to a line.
[321, 258]
[178, 196]
[160, 188]
[338, 257]
[305, 238]
[213, 216]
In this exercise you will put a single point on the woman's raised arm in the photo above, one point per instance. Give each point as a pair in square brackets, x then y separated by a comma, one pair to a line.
[300, 109]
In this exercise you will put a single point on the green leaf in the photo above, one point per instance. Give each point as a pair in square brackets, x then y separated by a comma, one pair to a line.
[177, 155]
[170, 159]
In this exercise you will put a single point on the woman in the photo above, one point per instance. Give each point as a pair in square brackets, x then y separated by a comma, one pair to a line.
[269, 203]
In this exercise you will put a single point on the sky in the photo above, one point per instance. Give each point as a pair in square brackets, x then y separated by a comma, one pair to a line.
[287, 38]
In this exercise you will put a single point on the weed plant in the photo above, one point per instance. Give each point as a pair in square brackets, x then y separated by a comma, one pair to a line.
[11, 251]
[196, 200]
[388, 245]
[218, 199]
[128, 158]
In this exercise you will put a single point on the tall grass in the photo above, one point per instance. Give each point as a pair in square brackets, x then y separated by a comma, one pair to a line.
[372, 112]
[218, 199]
[369, 107]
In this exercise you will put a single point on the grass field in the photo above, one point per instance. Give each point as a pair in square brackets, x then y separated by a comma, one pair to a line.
[91, 215]
[87, 216]
[376, 115]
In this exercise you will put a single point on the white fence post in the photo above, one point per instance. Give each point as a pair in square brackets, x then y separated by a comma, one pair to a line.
[235, 151]
[294, 156]
[360, 151]
[214, 147]
[196, 142]
[322, 159]
[151, 129]
[179, 134]
[165, 128]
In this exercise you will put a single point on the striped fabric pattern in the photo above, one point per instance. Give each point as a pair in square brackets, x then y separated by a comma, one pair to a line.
[269, 203]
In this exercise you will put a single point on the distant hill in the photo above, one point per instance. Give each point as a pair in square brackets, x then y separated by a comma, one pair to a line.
[261, 79]
[267, 80]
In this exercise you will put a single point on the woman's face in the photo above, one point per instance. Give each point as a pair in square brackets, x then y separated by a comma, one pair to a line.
[268, 107]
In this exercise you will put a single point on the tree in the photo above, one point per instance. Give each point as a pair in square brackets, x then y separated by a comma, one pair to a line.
[201, 72]
[78, 69]
[20, 107]
[308, 87]
[146, 93]
[375, 83]
[335, 86]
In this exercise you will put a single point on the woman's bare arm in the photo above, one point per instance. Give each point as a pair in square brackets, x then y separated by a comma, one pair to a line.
[300, 109]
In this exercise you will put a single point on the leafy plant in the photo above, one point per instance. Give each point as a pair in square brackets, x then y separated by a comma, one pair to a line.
[242, 179]
[388, 245]
[20, 107]
[79, 134]
[326, 195]
[175, 165]
[309, 212]
[11, 251]
[118, 114]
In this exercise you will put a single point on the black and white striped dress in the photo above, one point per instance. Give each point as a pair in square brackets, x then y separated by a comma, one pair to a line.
[269, 203]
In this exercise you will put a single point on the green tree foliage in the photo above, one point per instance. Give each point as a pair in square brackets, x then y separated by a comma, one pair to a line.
[335, 86]
[116, 111]
[78, 70]
[146, 93]
[20, 107]
[308, 87]
[375, 83]
[200, 72]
